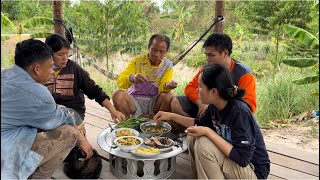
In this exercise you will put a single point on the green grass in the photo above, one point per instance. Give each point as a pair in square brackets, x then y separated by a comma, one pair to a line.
[279, 100]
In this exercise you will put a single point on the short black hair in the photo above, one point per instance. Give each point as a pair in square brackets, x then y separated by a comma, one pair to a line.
[30, 51]
[219, 77]
[57, 42]
[164, 38]
[220, 41]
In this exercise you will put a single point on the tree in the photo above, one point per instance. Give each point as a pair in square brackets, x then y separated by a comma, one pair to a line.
[57, 15]
[310, 41]
[180, 14]
[219, 12]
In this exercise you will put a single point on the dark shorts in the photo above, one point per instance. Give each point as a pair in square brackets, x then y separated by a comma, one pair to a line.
[188, 106]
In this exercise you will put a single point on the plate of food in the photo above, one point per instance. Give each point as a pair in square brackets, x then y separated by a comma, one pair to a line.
[124, 132]
[163, 143]
[146, 152]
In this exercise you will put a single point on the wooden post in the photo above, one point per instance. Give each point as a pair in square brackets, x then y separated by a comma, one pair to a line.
[219, 12]
[57, 17]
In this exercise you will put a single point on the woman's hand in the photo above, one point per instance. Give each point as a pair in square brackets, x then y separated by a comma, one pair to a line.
[162, 116]
[117, 116]
[197, 131]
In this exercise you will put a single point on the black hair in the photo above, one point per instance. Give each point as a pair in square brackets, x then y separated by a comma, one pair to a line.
[217, 76]
[220, 41]
[30, 51]
[57, 42]
[162, 37]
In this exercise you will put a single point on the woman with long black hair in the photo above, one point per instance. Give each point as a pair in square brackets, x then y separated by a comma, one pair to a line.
[226, 141]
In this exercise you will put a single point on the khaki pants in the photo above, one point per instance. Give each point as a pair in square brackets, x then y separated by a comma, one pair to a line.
[54, 146]
[208, 162]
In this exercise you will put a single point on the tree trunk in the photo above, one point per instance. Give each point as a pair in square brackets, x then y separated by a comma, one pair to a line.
[57, 17]
[219, 12]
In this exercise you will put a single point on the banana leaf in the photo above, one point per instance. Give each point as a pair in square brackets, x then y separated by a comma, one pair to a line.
[6, 23]
[38, 21]
[307, 80]
[301, 62]
[302, 35]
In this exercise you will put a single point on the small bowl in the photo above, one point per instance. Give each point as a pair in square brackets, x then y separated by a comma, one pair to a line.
[128, 148]
[133, 132]
[144, 125]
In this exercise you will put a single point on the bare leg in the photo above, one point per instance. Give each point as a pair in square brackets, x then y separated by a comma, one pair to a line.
[176, 107]
[163, 102]
[123, 102]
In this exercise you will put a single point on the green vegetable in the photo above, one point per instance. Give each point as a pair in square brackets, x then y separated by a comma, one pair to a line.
[132, 122]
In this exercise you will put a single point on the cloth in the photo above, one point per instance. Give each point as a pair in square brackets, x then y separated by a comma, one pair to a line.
[158, 76]
[144, 105]
[242, 77]
[210, 163]
[54, 146]
[236, 124]
[26, 106]
[69, 87]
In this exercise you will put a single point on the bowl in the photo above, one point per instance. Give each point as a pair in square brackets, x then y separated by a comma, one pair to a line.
[128, 143]
[124, 132]
[155, 128]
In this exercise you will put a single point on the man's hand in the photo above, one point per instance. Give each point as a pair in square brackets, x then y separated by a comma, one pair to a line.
[84, 145]
[171, 84]
[117, 116]
[139, 78]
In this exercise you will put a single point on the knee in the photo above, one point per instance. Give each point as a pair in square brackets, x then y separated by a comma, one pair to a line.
[166, 97]
[69, 134]
[117, 94]
[203, 146]
[174, 102]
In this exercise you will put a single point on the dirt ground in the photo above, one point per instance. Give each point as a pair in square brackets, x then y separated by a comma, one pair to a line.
[301, 137]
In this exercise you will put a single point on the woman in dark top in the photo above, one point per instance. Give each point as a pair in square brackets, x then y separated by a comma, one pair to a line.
[226, 142]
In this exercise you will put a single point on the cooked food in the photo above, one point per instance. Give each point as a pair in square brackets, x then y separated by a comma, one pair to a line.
[124, 132]
[132, 122]
[159, 142]
[155, 129]
[148, 150]
[128, 141]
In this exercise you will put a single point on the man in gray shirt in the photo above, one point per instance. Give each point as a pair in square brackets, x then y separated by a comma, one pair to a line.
[36, 134]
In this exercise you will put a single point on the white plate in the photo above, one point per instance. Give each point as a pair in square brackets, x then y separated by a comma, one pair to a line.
[113, 134]
[144, 155]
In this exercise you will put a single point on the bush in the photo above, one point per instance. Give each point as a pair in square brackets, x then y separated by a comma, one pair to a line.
[279, 100]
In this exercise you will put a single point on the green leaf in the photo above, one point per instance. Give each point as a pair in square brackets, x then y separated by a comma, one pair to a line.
[302, 35]
[301, 62]
[6, 23]
[40, 35]
[38, 21]
[307, 80]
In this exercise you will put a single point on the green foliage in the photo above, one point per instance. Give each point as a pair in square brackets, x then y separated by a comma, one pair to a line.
[279, 100]
[23, 10]
[105, 28]
[301, 62]
[310, 41]
[181, 15]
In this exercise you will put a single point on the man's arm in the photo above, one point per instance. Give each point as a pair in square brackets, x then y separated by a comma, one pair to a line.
[248, 83]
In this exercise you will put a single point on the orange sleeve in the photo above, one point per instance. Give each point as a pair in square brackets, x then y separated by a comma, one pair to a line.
[191, 90]
[248, 83]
